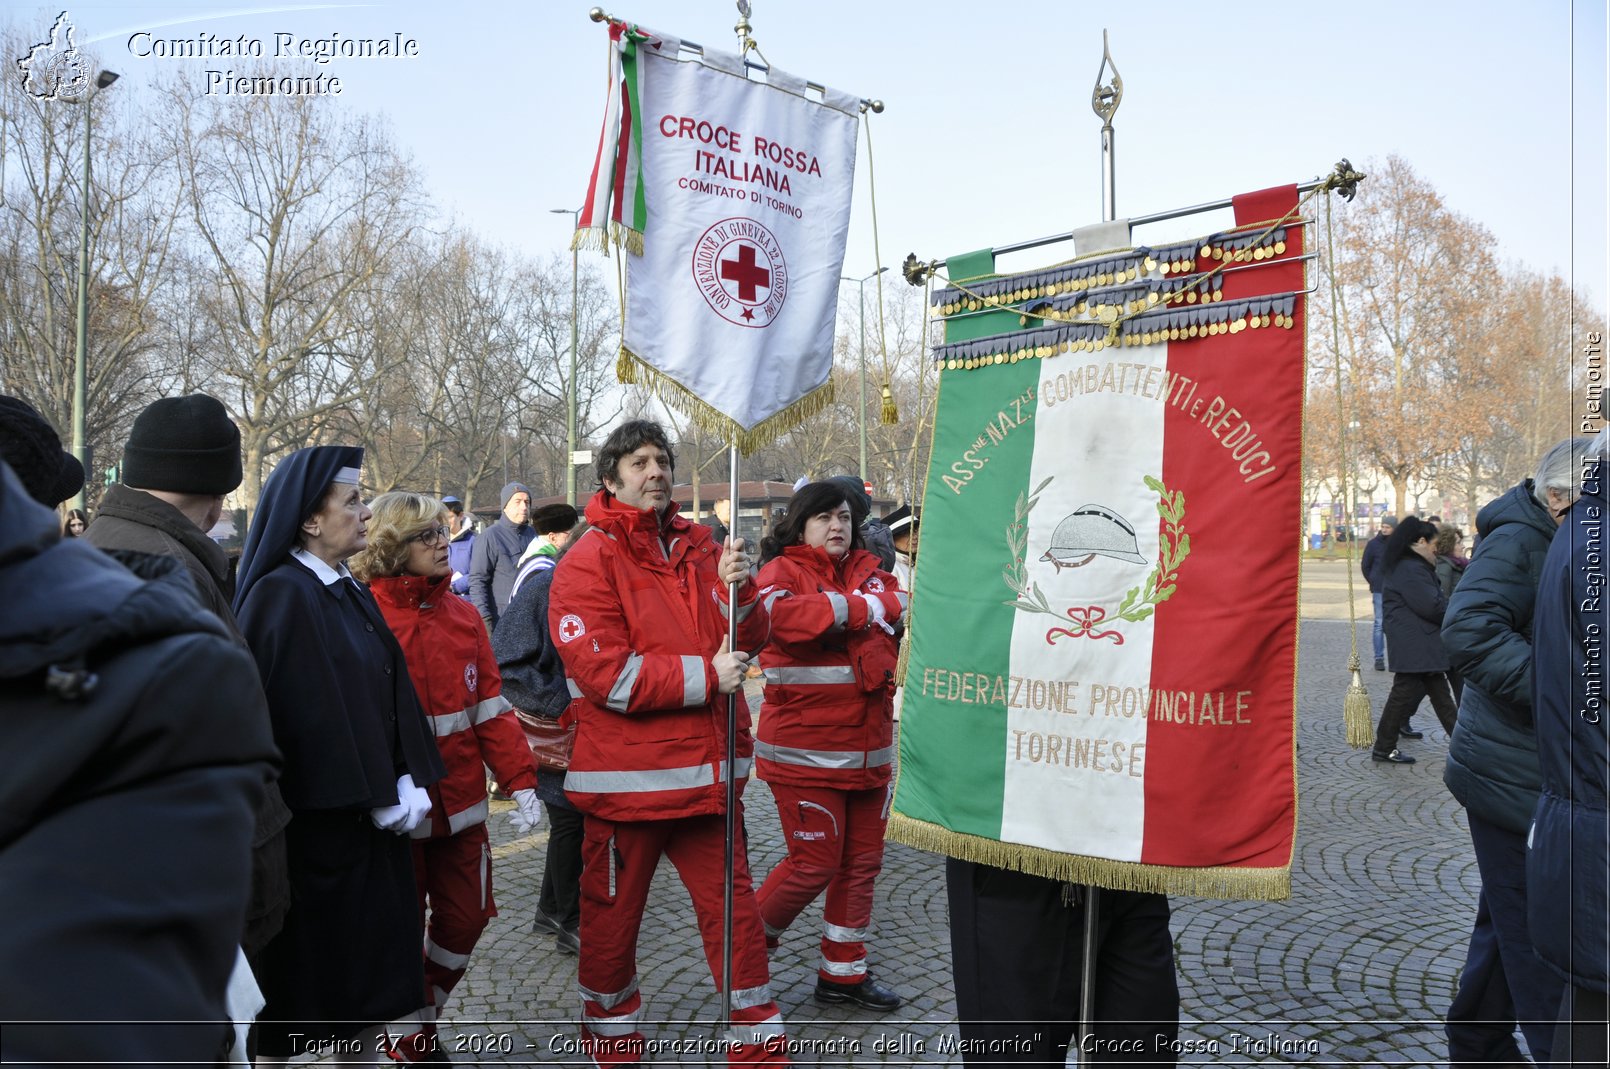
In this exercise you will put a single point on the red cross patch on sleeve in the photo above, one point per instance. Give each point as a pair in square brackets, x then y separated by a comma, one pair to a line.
[571, 628]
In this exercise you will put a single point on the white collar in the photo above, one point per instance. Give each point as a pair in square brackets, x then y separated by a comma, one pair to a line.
[327, 575]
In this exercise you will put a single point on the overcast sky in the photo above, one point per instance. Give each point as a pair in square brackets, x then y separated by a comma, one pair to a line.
[988, 136]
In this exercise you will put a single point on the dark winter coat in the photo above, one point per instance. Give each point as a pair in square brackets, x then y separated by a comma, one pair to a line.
[134, 521]
[1492, 756]
[533, 675]
[459, 552]
[1412, 606]
[1370, 562]
[494, 562]
[1567, 883]
[137, 748]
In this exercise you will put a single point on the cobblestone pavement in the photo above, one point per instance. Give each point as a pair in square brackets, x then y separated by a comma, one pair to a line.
[1356, 968]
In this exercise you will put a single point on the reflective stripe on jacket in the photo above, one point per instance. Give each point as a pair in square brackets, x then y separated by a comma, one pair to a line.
[638, 611]
[828, 718]
[456, 677]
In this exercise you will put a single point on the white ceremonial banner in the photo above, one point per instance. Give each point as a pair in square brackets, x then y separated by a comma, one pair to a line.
[730, 307]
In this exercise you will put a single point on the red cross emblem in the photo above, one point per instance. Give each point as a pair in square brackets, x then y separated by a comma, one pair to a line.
[571, 628]
[739, 268]
[874, 585]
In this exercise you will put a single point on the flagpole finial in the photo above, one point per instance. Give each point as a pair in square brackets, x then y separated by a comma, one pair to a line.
[874, 106]
[597, 15]
[745, 42]
[1106, 98]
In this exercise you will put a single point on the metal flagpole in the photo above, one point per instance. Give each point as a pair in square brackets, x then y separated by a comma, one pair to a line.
[732, 754]
[1104, 100]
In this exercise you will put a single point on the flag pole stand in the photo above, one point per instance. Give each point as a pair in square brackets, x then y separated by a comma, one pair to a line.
[1104, 101]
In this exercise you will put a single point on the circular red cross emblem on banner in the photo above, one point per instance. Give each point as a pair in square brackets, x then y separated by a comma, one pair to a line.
[739, 268]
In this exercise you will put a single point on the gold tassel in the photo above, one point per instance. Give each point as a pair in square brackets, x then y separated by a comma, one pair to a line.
[1263, 884]
[891, 414]
[904, 659]
[1356, 709]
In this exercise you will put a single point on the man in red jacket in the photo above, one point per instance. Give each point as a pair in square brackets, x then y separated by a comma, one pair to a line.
[640, 609]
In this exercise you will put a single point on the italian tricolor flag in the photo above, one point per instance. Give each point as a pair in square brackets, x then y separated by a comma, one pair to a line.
[1101, 680]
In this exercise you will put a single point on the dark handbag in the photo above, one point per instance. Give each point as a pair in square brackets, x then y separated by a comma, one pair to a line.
[550, 740]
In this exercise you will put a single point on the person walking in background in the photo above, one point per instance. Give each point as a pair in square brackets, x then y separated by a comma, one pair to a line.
[1492, 764]
[456, 678]
[826, 736]
[1413, 606]
[74, 524]
[461, 543]
[534, 680]
[1370, 565]
[640, 611]
[1450, 567]
[1567, 870]
[496, 556]
[359, 755]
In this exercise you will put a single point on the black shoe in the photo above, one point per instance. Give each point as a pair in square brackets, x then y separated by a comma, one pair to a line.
[1396, 757]
[546, 922]
[567, 942]
[868, 993]
[1409, 733]
[1380, 665]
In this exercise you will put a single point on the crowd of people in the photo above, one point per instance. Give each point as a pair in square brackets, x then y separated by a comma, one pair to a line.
[270, 804]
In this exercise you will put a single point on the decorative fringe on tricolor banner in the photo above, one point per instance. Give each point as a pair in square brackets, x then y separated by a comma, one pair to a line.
[615, 208]
[633, 371]
[1269, 885]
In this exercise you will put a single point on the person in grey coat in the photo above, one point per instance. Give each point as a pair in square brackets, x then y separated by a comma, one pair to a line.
[1492, 764]
[1413, 605]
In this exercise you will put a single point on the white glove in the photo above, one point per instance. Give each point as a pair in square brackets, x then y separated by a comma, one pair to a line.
[527, 812]
[413, 803]
[875, 611]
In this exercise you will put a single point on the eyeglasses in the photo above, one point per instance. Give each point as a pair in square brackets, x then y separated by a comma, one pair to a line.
[431, 537]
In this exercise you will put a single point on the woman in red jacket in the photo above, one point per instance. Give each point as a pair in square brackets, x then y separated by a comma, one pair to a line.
[451, 665]
[826, 738]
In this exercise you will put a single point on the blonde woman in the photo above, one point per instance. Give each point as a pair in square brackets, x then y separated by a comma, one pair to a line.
[450, 661]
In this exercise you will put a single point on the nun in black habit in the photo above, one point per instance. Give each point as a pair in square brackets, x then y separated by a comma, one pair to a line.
[358, 755]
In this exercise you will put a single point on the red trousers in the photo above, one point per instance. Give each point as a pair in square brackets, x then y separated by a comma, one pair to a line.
[618, 863]
[835, 841]
[453, 875]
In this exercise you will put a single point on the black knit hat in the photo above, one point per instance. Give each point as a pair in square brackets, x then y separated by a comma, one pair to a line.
[551, 519]
[30, 445]
[185, 445]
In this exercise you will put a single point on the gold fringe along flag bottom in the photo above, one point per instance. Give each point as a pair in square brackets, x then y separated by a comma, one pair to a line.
[1220, 881]
[597, 238]
[634, 371]
[1356, 709]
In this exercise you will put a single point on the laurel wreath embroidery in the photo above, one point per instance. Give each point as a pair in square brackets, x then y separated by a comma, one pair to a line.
[1139, 603]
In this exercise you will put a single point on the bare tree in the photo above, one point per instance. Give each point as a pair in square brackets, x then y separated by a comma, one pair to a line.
[297, 211]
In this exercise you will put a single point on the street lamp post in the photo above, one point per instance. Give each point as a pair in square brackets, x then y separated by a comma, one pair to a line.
[80, 355]
[861, 421]
[570, 394]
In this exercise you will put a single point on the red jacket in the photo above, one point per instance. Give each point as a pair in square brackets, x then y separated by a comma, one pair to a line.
[638, 611]
[828, 718]
[452, 668]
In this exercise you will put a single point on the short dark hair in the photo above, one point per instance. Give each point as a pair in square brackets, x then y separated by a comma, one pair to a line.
[629, 438]
[813, 499]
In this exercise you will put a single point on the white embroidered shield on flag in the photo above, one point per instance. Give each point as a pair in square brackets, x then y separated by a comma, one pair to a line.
[746, 195]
